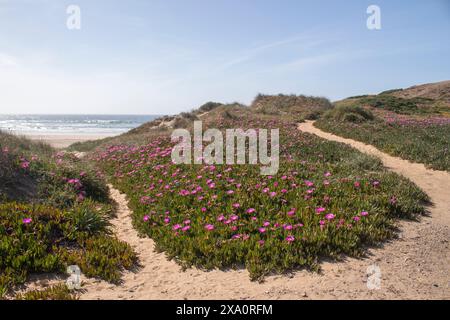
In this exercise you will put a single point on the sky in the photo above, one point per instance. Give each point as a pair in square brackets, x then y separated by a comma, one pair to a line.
[167, 56]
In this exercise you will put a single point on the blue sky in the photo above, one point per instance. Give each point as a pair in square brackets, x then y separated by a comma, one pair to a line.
[161, 57]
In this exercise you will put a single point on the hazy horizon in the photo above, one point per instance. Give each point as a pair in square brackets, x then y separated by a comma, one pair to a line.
[164, 57]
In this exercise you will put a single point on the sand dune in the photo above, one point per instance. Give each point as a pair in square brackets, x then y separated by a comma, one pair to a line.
[415, 266]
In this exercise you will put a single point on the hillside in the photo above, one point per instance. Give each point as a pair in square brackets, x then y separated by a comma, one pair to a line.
[281, 107]
[298, 106]
[426, 99]
[435, 91]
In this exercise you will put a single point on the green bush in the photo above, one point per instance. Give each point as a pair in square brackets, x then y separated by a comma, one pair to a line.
[89, 220]
[349, 113]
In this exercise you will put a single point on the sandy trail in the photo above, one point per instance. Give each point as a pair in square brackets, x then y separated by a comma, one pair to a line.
[435, 183]
[415, 266]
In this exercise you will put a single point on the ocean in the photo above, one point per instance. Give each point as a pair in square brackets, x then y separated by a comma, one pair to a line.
[101, 125]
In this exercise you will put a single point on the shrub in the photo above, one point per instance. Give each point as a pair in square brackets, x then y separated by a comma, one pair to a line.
[89, 220]
[208, 106]
[349, 114]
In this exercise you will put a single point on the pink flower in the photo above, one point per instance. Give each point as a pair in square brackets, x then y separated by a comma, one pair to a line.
[261, 242]
[357, 184]
[27, 220]
[221, 218]
[25, 165]
[209, 227]
[283, 190]
[322, 222]
[329, 216]
[320, 210]
[146, 217]
[167, 220]
[266, 223]
[364, 213]
[187, 221]
[356, 218]
[251, 210]
[290, 238]
[185, 228]
[309, 183]
[262, 230]
[176, 227]
[288, 227]
[236, 205]
[234, 217]
[230, 192]
[327, 174]
[203, 209]
[291, 212]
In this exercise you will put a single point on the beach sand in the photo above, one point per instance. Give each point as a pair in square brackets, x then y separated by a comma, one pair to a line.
[63, 141]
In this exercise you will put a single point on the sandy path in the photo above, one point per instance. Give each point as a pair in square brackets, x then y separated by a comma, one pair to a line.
[435, 183]
[416, 266]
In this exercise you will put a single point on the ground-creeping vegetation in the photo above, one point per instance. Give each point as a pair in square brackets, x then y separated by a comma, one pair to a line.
[54, 212]
[413, 128]
[327, 200]
[56, 292]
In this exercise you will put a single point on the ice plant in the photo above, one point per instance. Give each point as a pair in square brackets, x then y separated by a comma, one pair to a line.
[320, 210]
[290, 238]
[26, 220]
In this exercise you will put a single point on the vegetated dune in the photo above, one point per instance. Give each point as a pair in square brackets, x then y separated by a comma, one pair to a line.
[425, 99]
[436, 91]
[289, 107]
[54, 212]
[298, 106]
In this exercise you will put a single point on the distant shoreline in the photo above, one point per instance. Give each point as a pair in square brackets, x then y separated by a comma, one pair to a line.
[64, 140]
[60, 131]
